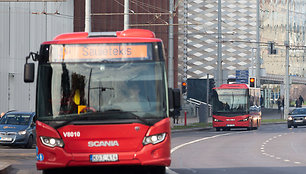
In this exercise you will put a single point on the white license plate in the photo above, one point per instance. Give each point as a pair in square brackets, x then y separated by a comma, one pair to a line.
[298, 121]
[104, 158]
[230, 125]
[5, 139]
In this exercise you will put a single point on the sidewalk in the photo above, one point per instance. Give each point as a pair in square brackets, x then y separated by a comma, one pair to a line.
[4, 167]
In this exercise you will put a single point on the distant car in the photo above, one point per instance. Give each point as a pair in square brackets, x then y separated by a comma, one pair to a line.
[18, 128]
[297, 117]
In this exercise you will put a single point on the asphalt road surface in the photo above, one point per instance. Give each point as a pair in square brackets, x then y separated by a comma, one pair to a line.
[272, 149]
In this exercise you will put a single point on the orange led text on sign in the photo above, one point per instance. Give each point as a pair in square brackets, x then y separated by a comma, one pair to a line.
[103, 51]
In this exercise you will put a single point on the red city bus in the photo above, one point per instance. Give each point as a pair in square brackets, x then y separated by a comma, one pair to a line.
[236, 106]
[102, 99]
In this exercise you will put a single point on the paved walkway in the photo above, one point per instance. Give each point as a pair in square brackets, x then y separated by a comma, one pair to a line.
[4, 167]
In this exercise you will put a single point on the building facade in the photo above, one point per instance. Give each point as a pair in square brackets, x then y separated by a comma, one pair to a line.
[24, 26]
[198, 36]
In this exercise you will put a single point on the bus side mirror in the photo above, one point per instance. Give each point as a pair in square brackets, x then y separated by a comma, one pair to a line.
[29, 69]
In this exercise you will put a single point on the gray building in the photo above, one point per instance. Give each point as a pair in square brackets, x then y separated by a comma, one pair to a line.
[24, 26]
[239, 45]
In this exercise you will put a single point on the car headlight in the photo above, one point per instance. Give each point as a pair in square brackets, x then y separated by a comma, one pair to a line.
[52, 142]
[289, 118]
[154, 139]
[22, 132]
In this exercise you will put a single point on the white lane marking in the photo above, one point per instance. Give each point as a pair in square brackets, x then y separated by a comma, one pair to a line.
[169, 171]
[262, 149]
[201, 139]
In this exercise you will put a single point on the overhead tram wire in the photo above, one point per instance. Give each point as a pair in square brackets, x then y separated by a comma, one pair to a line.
[145, 7]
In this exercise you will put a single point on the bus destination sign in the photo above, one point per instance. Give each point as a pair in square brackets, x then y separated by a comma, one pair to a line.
[98, 52]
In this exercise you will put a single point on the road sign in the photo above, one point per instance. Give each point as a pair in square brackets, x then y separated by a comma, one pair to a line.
[242, 76]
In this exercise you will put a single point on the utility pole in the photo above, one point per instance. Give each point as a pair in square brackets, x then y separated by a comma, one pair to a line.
[257, 60]
[219, 67]
[126, 14]
[287, 86]
[170, 47]
[88, 16]
[185, 45]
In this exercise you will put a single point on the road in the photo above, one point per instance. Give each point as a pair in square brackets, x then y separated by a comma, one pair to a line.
[272, 149]
[22, 160]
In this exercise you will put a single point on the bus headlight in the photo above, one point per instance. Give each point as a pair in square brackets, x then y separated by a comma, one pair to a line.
[216, 120]
[154, 139]
[52, 142]
[246, 119]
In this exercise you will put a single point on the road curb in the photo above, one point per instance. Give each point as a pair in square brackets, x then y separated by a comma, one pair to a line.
[209, 128]
[191, 129]
[4, 167]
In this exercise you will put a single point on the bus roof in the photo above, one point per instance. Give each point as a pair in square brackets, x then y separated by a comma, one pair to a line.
[233, 86]
[126, 36]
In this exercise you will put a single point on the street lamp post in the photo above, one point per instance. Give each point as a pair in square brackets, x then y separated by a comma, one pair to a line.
[219, 65]
[257, 60]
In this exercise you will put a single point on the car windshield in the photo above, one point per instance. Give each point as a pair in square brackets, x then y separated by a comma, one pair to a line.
[298, 111]
[15, 119]
[70, 90]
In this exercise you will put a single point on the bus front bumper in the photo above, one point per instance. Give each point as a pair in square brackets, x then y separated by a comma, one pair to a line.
[149, 155]
[236, 124]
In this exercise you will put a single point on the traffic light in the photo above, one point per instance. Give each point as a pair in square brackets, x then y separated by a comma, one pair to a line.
[252, 82]
[184, 87]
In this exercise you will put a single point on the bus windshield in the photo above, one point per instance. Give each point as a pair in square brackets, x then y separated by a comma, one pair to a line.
[230, 101]
[69, 90]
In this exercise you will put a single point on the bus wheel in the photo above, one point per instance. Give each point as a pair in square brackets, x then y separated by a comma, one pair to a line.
[217, 129]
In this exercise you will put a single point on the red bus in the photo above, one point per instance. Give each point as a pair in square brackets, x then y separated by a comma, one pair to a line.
[236, 106]
[102, 100]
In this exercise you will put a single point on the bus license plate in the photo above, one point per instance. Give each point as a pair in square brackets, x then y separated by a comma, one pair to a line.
[230, 125]
[104, 158]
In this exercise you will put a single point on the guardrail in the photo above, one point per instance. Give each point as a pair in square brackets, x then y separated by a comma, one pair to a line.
[197, 104]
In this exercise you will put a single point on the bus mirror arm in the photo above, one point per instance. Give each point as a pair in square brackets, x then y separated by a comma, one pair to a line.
[29, 68]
